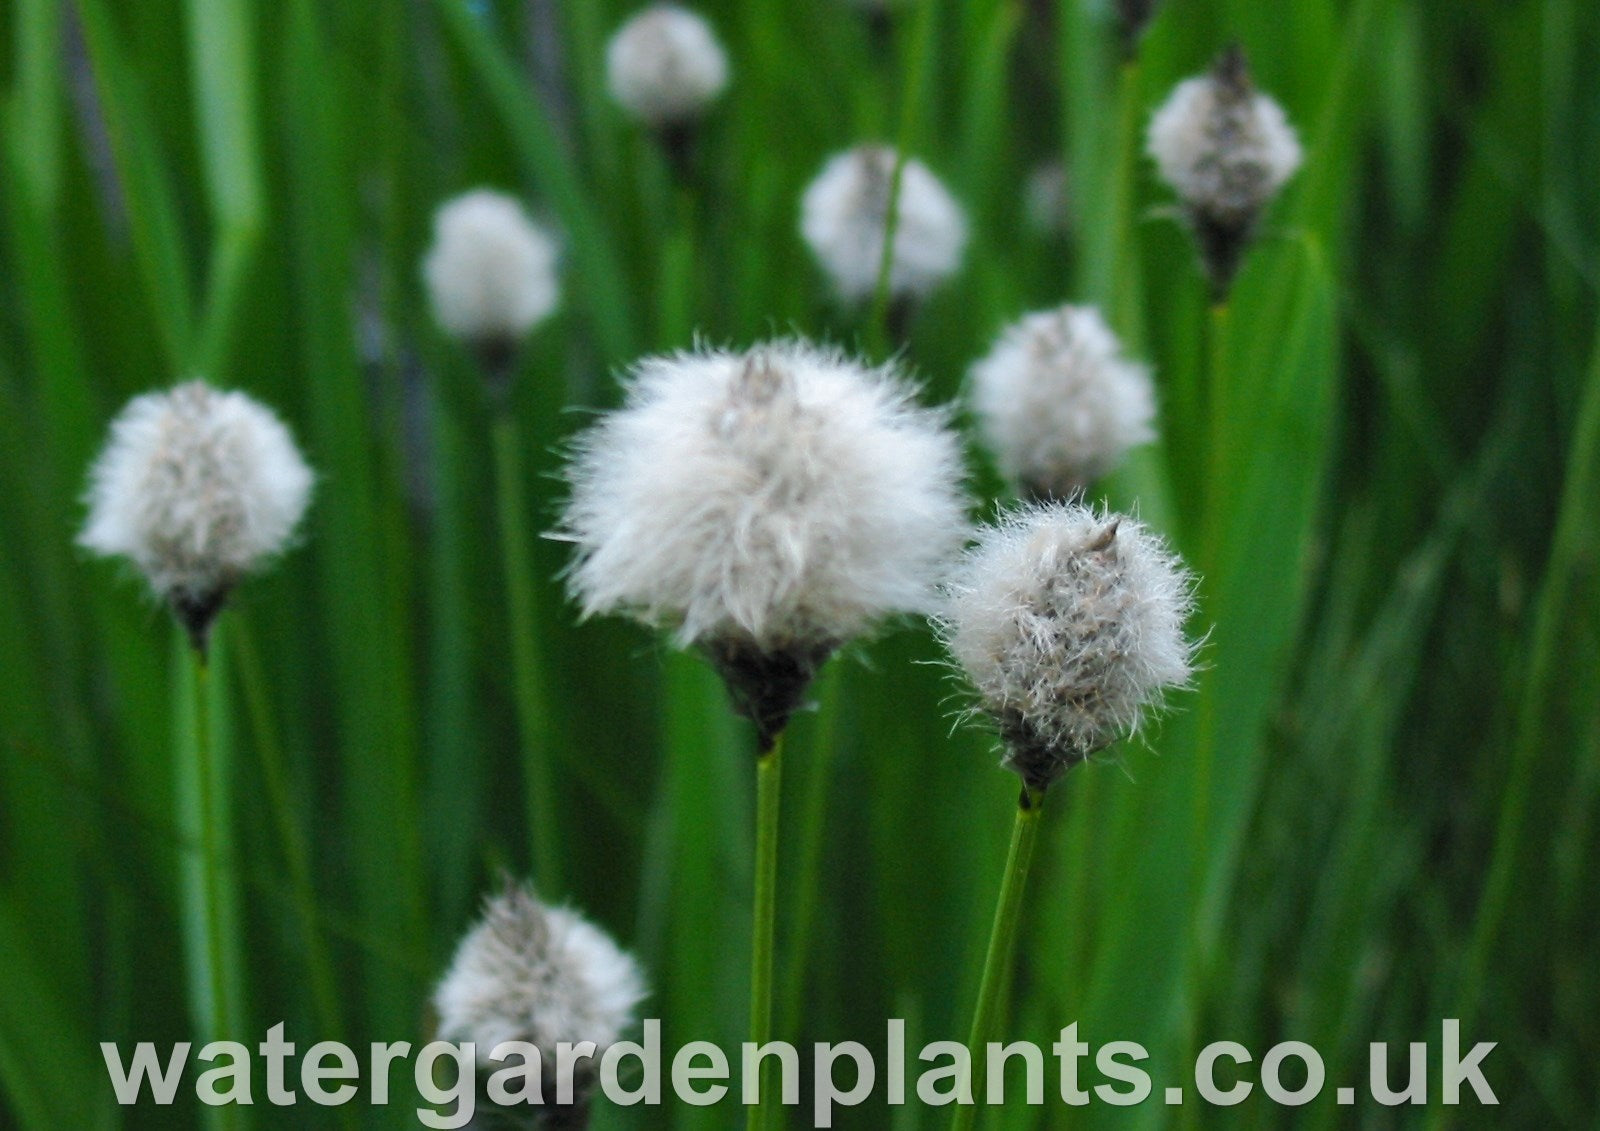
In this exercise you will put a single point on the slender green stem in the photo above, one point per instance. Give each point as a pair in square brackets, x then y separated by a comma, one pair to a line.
[1573, 550]
[205, 778]
[1215, 421]
[1002, 941]
[527, 662]
[878, 330]
[813, 823]
[204, 808]
[769, 778]
[1127, 310]
[296, 850]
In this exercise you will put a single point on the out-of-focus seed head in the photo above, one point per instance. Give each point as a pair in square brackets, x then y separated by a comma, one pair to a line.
[490, 274]
[539, 974]
[664, 66]
[767, 506]
[1226, 150]
[197, 488]
[844, 217]
[1069, 623]
[1058, 402]
[1047, 199]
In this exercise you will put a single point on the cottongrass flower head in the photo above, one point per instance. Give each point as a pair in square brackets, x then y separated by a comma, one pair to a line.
[1226, 150]
[197, 488]
[1069, 623]
[767, 507]
[844, 216]
[490, 275]
[1058, 403]
[664, 66]
[528, 971]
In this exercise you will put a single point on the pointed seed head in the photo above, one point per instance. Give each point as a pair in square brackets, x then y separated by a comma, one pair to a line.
[1069, 623]
[1226, 150]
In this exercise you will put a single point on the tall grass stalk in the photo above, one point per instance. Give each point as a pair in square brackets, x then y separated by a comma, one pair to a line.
[527, 662]
[1127, 293]
[823, 750]
[882, 327]
[1002, 945]
[291, 836]
[763, 929]
[210, 896]
[1574, 540]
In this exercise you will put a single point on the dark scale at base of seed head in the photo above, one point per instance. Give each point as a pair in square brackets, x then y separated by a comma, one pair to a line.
[767, 687]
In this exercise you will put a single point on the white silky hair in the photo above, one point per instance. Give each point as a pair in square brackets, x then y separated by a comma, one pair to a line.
[1071, 621]
[1057, 401]
[541, 974]
[665, 66]
[844, 215]
[787, 496]
[197, 488]
[490, 273]
[1223, 154]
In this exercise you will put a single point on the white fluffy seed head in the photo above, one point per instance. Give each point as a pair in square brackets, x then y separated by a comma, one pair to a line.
[197, 488]
[664, 66]
[844, 214]
[1058, 403]
[778, 500]
[491, 272]
[538, 974]
[1224, 147]
[1069, 623]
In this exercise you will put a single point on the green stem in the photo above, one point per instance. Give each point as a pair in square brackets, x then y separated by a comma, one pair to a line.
[1573, 550]
[207, 900]
[527, 664]
[813, 823]
[769, 777]
[1215, 420]
[205, 778]
[878, 330]
[1127, 311]
[296, 850]
[1002, 941]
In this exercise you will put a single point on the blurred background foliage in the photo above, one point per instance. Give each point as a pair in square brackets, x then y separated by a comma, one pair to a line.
[1377, 809]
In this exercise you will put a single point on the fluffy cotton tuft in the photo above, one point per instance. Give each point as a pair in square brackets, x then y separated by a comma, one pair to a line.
[665, 66]
[491, 272]
[784, 499]
[844, 214]
[1069, 622]
[1226, 149]
[539, 974]
[197, 488]
[1058, 403]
